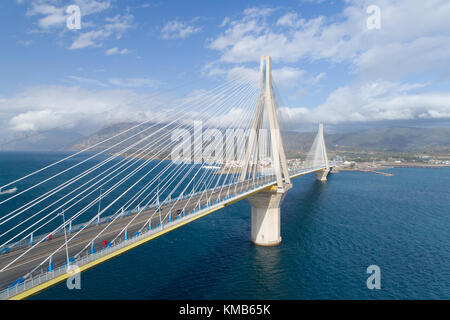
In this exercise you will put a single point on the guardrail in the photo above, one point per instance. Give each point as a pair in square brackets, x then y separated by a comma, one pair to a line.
[32, 282]
[27, 242]
[27, 284]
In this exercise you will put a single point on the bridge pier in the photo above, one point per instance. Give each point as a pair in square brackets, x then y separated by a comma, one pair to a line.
[266, 230]
[322, 175]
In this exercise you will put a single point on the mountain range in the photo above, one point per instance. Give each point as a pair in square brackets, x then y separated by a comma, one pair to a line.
[394, 139]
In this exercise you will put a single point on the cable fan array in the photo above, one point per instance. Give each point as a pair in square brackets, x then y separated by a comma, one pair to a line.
[144, 179]
[76, 203]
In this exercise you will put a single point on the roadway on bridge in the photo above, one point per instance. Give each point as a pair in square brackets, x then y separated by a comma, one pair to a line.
[41, 251]
[38, 254]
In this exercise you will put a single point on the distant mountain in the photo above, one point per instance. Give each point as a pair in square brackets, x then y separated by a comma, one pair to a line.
[51, 140]
[397, 139]
[134, 133]
[380, 140]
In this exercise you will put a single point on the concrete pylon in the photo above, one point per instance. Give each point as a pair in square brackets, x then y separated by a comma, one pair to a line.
[266, 204]
[322, 174]
[266, 102]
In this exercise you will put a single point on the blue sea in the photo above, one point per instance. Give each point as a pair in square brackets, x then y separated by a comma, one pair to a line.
[331, 233]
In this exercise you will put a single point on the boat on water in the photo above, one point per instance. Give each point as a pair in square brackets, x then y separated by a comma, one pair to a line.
[8, 191]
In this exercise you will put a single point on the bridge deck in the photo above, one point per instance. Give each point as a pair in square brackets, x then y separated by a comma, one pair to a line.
[40, 279]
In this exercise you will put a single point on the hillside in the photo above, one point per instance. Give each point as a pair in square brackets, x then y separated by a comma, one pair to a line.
[50, 140]
[393, 139]
[397, 139]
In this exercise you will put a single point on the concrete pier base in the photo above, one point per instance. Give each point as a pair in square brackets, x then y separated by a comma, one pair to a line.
[266, 216]
[322, 175]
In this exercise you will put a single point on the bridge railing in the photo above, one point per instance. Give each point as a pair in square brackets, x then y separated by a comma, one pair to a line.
[32, 282]
[90, 257]
[27, 242]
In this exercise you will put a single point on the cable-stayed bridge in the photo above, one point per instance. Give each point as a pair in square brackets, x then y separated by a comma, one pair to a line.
[150, 179]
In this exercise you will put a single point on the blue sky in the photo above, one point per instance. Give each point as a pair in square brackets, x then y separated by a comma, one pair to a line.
[327, 63]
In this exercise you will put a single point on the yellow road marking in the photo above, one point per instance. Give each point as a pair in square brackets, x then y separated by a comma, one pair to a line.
[32, 291]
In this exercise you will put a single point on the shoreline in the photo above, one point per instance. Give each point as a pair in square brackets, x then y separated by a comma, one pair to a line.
[377, 169]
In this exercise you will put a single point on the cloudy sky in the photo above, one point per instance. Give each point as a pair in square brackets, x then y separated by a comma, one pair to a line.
[329, 62]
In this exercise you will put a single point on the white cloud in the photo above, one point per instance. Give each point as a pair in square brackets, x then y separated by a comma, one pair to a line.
[114, 27]
[414, 37]
[53, 107]
[288, 77]
[118, 82]
[225, 21]
[230, 119]
[318, 77]
[241, 74]
[116, 50]
[285, 77]
[288, 20]
[179, 30]
[374, 101]
[135, 82]
[35, 120]
[88, 39]
[48, 107]
[88, 81]
[258, 11]
[26, 43]
[89, 7]
[52, 13]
